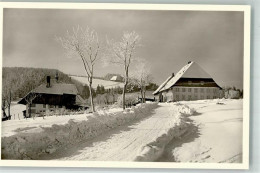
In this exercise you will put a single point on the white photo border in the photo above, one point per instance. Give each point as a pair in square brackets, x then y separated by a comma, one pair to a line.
[124, 6]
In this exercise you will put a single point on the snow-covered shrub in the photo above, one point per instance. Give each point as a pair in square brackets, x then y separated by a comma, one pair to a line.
[183, 109]
[129, 100]
[186, 110]
[233, 94]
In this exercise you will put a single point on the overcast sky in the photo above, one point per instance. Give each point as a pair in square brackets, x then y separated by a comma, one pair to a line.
[169, 40]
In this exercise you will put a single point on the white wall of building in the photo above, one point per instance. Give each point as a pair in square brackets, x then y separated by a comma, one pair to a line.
[191, 93]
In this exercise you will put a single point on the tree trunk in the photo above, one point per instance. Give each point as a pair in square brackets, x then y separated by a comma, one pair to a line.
[125, 85]
[30, 110]
[144, 95]
[91, 96]
[142, 98]
[123, 95]
[3, 109]
[9, 109]
[9, 104]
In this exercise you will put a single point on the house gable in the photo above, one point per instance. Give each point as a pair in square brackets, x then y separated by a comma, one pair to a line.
[190, 72]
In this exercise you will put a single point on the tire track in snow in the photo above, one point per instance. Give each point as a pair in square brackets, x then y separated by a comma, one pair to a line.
[128, 141]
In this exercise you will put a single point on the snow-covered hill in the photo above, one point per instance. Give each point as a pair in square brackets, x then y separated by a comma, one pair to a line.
[106, 83]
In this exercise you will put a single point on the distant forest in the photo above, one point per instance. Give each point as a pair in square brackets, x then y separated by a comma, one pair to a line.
[21, 80]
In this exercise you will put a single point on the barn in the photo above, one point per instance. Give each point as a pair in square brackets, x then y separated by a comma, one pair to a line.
[117, 78]
[190, 83]
[52, 96]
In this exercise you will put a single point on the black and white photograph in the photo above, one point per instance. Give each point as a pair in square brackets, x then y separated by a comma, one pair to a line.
[127, 84]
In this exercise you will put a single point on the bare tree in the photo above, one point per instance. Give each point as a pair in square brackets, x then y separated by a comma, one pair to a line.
[6, 104]
[6, 98]
[122, 53]
[83, 43]
[29, 100]
[142, 77]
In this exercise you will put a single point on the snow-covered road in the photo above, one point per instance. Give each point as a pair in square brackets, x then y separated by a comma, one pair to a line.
[124, 143]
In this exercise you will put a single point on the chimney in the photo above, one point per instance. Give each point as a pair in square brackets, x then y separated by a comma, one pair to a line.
[57, 76]
[48, 82]
[173, 75]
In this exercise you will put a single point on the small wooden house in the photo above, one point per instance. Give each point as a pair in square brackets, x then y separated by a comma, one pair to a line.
[190, 83]
[52, 97]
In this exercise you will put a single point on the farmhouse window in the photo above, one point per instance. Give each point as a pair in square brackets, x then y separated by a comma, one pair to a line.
[189, 97]
[208, 90]
[189, 89]
[183, 97]
[195, 90]
[202, 90]
[183, 89]
[177, 89]
[195, 97]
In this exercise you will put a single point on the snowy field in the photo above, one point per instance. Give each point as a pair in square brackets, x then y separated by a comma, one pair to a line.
[195, 131]
[106, 83]
[216, 135]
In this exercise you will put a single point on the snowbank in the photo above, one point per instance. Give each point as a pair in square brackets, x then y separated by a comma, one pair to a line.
[154, 150]
[214, 137]
[32, 144]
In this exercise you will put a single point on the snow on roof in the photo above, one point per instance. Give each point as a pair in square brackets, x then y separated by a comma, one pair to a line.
[162, 85]
[172, 79]
[57, 88]
[80, 101]
[115, 78]
[191, 70]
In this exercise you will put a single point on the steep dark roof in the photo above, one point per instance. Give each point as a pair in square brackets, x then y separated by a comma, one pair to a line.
[54, 89]
[58, 88]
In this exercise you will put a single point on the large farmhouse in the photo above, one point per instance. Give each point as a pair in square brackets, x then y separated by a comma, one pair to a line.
[190, 83]
[52, 97]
